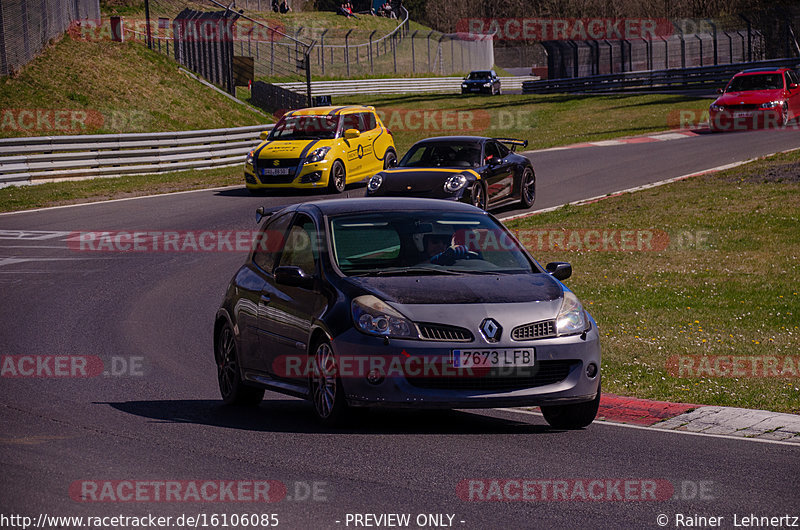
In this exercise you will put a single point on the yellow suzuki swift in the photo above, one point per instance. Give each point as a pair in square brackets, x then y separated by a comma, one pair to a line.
[321, 147]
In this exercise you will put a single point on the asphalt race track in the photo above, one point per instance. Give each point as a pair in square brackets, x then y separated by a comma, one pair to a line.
[156, 415]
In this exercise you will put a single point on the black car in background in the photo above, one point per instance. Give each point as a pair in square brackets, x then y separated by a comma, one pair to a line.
[477, 170]
[481, 81]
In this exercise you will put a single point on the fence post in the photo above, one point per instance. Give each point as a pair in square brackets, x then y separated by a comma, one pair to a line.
[308, 74]
[413, 57]
[322, 50]
[147, 22]
[394, 51]
[347, 50]
[749, 38]
[429, 49]
[700, 40]
[440, 53]
[371, 66]
[730, 46]
[452, 56]
[714, 36]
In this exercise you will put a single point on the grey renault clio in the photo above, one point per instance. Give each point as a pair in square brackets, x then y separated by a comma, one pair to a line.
[403, 302]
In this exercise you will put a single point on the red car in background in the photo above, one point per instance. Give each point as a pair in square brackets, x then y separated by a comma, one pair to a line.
[757, 98]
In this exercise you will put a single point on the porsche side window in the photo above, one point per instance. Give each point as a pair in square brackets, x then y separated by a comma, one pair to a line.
[269, 242]
[502, 149]
[491, 152]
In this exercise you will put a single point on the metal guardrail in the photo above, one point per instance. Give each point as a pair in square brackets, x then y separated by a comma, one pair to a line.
[696, 77]
[37, 159]
[450, 85]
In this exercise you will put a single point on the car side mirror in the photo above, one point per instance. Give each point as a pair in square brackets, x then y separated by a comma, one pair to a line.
[260, 214]
[793, 86]
[720, 91]
[350, 134]
[293, 277]
[492, 160]
[560, 270]
[263, 135]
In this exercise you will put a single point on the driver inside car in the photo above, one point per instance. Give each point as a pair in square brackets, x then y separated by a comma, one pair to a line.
[438, 251]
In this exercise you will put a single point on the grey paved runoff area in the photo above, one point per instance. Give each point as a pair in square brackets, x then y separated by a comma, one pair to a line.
[761, 424]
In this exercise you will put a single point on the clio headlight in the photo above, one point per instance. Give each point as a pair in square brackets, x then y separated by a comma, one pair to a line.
[375, 182]
[375, 317]
[317, 155]
[571, 317]
[771, 104]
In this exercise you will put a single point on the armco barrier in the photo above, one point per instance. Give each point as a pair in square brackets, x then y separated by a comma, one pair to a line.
[410, 85]
[655, 80]
[40, 158]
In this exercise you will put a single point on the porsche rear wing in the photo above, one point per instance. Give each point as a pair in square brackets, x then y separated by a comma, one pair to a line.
[513, 142]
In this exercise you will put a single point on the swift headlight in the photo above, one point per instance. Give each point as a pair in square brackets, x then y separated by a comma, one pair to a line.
[455, 183]
[375, 317]
[317, 155]
[571, 317]
[375, 182]
[248, 160]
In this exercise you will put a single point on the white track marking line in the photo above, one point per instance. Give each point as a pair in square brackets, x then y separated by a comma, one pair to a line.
[121, 200]
[654, 429]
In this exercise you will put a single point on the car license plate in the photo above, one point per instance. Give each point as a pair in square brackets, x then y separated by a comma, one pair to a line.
[474, 89]
[491, 358]
[277, 171]
[741, 114]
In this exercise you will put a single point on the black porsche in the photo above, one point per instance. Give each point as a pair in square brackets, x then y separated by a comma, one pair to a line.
[484, 172]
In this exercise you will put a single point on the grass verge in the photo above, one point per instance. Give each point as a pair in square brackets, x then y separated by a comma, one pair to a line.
[726, 285]
[543, 120]
[113, 87]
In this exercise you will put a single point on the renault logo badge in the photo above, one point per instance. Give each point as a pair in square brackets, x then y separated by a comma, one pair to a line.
[491, 330]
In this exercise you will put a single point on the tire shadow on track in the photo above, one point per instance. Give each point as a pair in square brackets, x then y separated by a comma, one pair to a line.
[296, 416]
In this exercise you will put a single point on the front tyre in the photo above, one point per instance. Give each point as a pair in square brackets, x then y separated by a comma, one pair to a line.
[572, 416]
[478, 196]
[327, 393]
[527, 188]
[336, 180]
[389, 159]
[231, 387]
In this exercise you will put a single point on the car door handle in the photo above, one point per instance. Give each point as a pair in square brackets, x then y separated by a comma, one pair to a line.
[264, 300]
